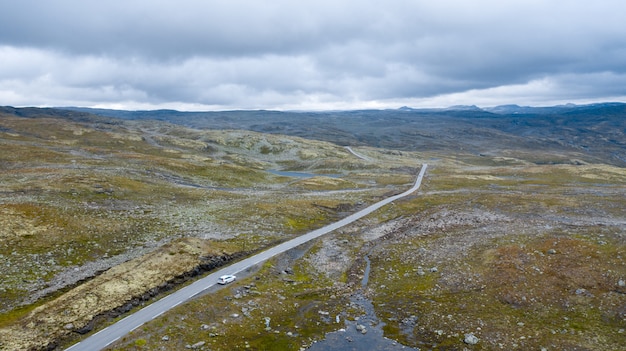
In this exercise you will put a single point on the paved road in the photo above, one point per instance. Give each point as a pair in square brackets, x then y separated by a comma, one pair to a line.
[115, 331]
[357, 154]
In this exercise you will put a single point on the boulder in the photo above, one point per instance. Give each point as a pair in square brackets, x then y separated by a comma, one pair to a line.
[361, 328]
[471, 339]
[197, 345]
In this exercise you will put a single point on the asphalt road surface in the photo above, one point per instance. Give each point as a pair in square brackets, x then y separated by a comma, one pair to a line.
[358, 154]
[112, 333]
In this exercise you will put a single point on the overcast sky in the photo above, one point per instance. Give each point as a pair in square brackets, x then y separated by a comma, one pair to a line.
[288, 54]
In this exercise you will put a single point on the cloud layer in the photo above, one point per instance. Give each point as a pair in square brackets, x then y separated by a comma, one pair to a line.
[219, 54]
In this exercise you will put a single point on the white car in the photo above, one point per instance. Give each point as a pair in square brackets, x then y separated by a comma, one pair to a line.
[225, 279]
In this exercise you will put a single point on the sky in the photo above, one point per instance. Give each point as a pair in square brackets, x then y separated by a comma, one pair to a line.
[310, 55]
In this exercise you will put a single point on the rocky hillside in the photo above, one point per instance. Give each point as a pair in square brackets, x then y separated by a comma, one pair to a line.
[594, 133]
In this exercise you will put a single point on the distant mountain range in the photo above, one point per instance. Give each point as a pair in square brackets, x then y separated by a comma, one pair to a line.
[593, 132]
[501, 109]
[516, 109]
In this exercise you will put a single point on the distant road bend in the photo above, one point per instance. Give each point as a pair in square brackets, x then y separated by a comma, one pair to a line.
[358, 154]
[112, 333]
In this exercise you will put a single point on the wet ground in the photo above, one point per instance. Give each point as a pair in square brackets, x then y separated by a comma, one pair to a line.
[365, 333]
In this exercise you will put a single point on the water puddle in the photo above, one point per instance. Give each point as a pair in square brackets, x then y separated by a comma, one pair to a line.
[366, 275]
[365, 333]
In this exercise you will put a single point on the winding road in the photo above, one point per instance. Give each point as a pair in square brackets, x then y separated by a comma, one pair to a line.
[357, 154]
[112, 333]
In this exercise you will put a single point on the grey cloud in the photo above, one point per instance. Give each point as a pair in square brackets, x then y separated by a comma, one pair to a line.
[273, 54]
[176, 29]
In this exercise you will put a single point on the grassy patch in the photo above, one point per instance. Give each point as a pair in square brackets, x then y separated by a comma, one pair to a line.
[552, 291]
[273, 310]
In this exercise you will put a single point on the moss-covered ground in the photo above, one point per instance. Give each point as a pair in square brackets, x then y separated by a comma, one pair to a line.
[93, 194]
[545, 269]
[523, 250]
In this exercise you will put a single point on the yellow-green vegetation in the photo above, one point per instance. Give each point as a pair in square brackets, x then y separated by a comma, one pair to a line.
[79, 197]
[523, 257]
[286, 305]
[522, 249]
[113, 289]
[551, 292]
[325, 183]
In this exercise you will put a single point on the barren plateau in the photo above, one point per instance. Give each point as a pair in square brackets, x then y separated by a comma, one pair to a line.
[515, 240]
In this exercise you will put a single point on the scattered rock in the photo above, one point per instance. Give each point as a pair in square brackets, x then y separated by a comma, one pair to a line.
[621, 283]
[267, 323]
[361, 328]
[471, 339]
[69, 326]
[552, 252]
[165, 338]
[197, 345]
[410, 320]
[583, 292]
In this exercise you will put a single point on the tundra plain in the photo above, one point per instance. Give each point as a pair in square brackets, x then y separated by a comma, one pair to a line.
[516, 236]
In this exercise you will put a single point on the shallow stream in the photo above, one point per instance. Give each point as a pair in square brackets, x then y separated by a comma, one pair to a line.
[350, 337]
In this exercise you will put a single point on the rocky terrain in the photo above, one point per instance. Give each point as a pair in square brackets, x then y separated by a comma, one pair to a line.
[512, 246]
